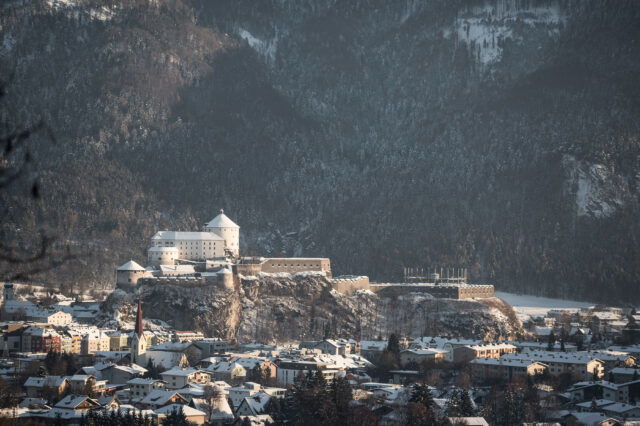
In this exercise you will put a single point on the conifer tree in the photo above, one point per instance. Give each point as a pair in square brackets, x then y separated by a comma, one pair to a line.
[422, 395]
[551, 342]
[467, 409]
[176, 418]
[453, 404]
[341, 395]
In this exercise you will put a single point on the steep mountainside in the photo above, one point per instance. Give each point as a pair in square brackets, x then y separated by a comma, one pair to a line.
[501, 135]
[286, 308]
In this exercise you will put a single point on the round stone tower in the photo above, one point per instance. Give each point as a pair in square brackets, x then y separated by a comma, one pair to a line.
[225, 278]
[162, 255]
[227, 229]
[127, 275]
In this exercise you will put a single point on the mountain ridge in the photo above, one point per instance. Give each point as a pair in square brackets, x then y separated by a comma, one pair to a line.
[379, 134]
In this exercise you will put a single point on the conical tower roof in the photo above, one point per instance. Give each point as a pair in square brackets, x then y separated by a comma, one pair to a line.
[130, 266]
[222, 221]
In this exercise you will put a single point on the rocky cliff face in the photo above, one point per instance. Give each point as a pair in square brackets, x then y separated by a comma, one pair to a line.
[500, 135]
[284, 308]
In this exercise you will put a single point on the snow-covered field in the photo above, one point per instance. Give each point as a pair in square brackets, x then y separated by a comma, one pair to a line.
[526, 305]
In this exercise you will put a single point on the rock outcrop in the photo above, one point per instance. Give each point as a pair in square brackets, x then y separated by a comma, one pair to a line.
[282, 308]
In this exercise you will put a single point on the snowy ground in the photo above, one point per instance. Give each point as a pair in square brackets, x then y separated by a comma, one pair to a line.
[526, 306]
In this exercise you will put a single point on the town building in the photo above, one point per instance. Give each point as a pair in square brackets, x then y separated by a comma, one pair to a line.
[505, 369]
[138, 342]
[140, 387]
[578, 366]
[421, 356]
[180, 377]
[486, 350]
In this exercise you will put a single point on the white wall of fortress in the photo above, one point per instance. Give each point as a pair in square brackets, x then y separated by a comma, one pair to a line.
[162, 255]
[231, 237]
[193, 249]
[296, 264]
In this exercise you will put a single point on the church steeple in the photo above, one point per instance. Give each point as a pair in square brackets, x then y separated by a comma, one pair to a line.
[138, 329]
[138, 342]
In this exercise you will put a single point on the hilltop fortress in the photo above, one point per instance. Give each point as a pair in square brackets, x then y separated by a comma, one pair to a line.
[207, 257]
[212, 257]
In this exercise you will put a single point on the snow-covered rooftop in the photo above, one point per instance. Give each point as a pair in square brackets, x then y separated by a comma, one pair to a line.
[130, 266]
[222, 221]
[179, 235]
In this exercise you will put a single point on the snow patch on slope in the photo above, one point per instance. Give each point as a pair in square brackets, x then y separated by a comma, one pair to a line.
[74, 9]
[596, 188]
[265, 48]
[484, 28]
[411, 8]
[527, 306]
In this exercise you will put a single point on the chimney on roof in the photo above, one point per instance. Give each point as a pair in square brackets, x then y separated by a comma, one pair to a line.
[139, 330]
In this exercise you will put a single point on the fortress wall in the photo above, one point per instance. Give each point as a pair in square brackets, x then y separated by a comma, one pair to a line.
[296, 264]
[248, 269]
[395, 290]
[350, 285]
[479, 291]
[191, 282]
[439, 291]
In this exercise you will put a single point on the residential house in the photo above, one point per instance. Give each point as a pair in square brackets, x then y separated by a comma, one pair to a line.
[192, 352]
[165, 359]
[187, 336]
[118, 340]
[591, 419]
[109, 402]
[623, 374]
[268, 370]
[622, 410]
[44, 387]
[578, 366]
[211, 347]
[120, 374]
[338, 347]
[140, 388]
[51, 317]
[611, 359]
[238, 393]
[231, 372]
[192, 415]
[505, 369]
[486, 350]
[254, 405]
[542, 346]
[39, 339]
[289, 370]
[420, 356]
[179, 377]
[81, 383]
[93, 341]
[372, 349]
[601, 389]
[77, 403]
[160, 398]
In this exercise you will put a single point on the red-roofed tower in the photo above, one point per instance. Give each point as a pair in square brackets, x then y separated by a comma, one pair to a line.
[138, 341]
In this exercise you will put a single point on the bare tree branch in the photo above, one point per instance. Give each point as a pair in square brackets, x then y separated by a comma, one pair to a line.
[17, 263]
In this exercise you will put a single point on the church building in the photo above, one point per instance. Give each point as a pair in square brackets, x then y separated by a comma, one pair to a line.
[138, 342]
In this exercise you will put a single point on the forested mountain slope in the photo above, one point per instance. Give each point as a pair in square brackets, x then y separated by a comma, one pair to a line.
[498, 135]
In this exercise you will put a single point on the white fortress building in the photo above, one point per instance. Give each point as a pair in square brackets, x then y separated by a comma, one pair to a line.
[220, 239]
[210, 256]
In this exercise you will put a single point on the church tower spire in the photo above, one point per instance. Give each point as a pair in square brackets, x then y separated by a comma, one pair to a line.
[138, 342]
[139, 330]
